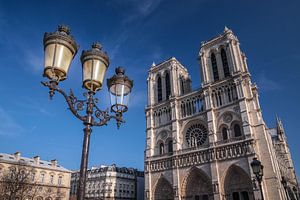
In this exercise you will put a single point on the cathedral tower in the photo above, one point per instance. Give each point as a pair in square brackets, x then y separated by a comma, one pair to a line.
[200, 144]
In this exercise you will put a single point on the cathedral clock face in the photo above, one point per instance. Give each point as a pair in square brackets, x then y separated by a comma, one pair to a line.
[196, 135]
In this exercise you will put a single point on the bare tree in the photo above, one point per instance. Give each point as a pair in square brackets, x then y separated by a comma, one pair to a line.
[18, 183]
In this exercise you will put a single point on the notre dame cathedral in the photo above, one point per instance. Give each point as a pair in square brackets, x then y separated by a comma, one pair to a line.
[200, 144]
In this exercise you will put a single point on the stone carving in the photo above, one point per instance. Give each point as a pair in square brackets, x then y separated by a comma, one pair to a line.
[227, 117]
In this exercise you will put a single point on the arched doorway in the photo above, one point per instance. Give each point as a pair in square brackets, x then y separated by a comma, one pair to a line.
[163, 190]
[197, 186]
[238, 184]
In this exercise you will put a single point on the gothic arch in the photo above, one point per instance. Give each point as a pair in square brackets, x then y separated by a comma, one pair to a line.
[236, 129]
[196, 185]
[214, 66]
[167, 83]
[237, 184]
[158, 81]
[227, 118]
[225, 63]
[163, 189]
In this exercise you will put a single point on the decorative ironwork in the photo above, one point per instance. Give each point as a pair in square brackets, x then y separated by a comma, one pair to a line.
[94, 116]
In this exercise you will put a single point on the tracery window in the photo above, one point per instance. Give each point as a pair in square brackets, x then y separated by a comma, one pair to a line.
[225, 133]
[196, 135]
[168, 85]
[159, 89]
[237, 130]
[214, 67]
[225, 63]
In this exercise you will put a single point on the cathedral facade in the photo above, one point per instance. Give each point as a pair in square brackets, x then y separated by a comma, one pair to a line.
[200, 143]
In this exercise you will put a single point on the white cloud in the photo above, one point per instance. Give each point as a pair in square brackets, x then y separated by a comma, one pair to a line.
[8, 125]
[267, 84]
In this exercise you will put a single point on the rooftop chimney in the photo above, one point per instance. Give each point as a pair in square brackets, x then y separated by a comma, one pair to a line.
[54, 163]
[17, 155]
[36, 159]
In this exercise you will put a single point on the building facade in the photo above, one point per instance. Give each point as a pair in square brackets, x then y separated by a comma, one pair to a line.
[49, 180]
[199, 144]
[111, 183]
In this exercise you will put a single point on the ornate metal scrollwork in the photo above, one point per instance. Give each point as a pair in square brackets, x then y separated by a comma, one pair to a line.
[77, 104]
[89, 104]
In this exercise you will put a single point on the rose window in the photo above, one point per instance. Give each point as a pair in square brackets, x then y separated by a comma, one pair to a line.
[196, 135]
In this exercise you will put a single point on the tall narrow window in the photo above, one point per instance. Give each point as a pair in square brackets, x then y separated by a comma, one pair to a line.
[159, 89]
[170, 146]
[32, 176]
[51, 178]
[235, 196]
[237, 130]
[59, 182]
[182, 85]
[245, 195]
[214, 67]
[42, 178]
[225, 63]
[168, 85]
[224, 133]
[161, 148]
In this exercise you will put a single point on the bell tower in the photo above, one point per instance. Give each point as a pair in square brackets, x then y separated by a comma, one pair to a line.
[221, 58]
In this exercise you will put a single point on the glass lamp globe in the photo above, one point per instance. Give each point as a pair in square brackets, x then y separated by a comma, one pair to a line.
[60, 49]
[119, 87]
[94, 65]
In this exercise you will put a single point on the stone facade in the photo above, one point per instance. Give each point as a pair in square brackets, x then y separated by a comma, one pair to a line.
[111, 183]
[51, 181]
[199, 144]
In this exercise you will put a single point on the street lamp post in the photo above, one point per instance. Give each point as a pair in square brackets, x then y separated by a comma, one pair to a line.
[258, 171]
[60, 49]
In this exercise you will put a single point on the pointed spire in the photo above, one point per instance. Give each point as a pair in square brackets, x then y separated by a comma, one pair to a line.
[153, 64]
[279, 125]
[227, 30]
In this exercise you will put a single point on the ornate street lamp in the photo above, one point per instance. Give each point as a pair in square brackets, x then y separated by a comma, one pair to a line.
[60, 49]
[258, 171]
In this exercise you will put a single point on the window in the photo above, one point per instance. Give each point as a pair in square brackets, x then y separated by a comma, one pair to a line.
[161, 148]
[51, 178]
[32, 176]
[59, 180]
[237, 130]
[225, 133]
[170, 146]
[159, 89]
[225, 63]
[196, 135]
[214, 67]
[42, 178]
[235, 196]
[205, 197]
[182, 85]
[168, 85]
[245, 195]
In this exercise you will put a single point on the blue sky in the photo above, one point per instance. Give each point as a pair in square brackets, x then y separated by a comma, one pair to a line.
[135, 33]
